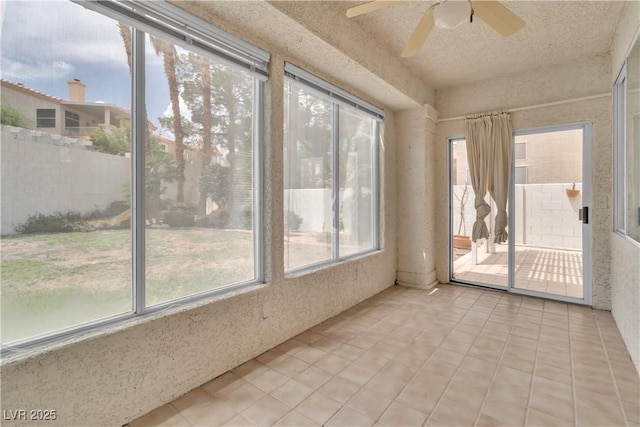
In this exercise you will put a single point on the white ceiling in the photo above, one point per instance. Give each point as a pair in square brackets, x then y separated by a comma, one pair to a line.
[555, 32]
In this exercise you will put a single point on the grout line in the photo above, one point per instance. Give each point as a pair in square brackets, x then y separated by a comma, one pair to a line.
[495, 372]
[613, 376]
[535, 365]
[573, 376]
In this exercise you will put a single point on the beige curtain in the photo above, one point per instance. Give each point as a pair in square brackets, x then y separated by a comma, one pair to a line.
[489, 141]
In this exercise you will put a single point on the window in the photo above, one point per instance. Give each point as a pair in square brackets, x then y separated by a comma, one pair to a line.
[45, 118]
[627, 147]
[142, 227]
[71, 119]
[520, 176]
[520, 150]
[330, 173]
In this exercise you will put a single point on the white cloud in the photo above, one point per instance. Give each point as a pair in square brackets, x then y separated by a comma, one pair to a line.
[184, 109]
[37, 33]
[19, 71]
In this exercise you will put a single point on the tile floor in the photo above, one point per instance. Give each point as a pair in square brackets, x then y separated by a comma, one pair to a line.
[555, 271]
[453, 356]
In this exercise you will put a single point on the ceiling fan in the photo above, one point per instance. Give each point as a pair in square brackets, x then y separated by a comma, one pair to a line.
[449, 14]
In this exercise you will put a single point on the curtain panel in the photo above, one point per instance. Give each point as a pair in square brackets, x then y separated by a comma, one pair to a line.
[489, 140]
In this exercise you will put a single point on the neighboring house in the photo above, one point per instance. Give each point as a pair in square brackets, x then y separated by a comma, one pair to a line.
[73, 117]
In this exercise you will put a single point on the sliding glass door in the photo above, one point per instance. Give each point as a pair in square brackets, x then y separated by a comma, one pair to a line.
[547, 253]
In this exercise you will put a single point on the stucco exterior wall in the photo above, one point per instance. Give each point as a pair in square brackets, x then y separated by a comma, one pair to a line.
[625, 255]
[27, 104]
[587, 77]
[114, 375]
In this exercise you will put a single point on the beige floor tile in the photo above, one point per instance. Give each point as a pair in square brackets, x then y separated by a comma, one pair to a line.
[269, 380]
[552, 405]
[313, 377]
[249, 369]
[296, 419]
[240, 398]
[292, 393]
[202, 409]
[290, 367]
[165, 416]
[402, 416]
[310, 355]
[386, 385]
[369, 403]
[266, 411]
[223, 384]
[340, 389]
[457, 357]
[451, 412]
[537, 418]
[348, 417]
[291, 346]
[240, 421]
[332, 363]
[596, 418]
[319, 408]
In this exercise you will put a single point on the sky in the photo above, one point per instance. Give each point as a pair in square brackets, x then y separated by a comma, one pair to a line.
[46, 43]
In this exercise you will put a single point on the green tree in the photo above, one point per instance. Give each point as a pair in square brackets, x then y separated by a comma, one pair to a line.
[216, 184]
[220, 100]
[12, 117]
[112, 141]
[160, 169]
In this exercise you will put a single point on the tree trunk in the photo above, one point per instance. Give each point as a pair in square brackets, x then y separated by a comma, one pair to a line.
[206, 131]
[169, 60]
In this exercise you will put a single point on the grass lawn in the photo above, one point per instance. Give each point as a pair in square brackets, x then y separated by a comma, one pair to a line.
[53, 281]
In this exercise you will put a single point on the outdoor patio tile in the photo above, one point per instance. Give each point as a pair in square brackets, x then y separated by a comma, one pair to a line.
[250, 369]
[552, 405]
[290, 366]
[269, 380]
[386, 385]
[201, 409]
[332, 363]
[242, 397]
[223, 384]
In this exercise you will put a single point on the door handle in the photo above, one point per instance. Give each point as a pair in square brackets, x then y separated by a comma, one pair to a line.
[583, 215]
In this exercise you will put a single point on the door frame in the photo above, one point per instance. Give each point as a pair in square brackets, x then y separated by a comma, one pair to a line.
[587, 273]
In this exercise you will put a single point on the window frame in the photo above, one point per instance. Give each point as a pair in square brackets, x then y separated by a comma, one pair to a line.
[619, 153]
[254, 62]
[521, 143]
[340, 98]
[71, 116]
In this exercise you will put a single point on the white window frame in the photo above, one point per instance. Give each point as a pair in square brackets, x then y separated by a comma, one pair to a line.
[175, 25]
[525, 150]
[340, 97]
[619, 153]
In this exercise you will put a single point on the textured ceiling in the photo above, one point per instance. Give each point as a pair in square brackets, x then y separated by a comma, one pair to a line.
[555, 32]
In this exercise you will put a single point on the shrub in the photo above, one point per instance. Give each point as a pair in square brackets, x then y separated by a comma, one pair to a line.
[219, 218]
[180, 215]
[55, 223]
[292, 221]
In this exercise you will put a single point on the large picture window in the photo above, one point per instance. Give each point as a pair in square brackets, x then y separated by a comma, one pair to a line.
[330, 173]
[160, 200]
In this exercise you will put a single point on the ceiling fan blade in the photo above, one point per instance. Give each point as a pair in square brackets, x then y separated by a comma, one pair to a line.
[419, 35]
[370, 7]
[497, 16]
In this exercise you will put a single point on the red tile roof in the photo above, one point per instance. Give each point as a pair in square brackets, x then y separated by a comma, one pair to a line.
[28, 89]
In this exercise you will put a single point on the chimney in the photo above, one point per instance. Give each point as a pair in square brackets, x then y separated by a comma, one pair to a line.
[76, 90]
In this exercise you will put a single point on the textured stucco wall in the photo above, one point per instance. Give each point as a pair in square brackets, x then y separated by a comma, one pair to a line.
[625, 256]
[416, 226]
[590, 76]
[110, 377]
